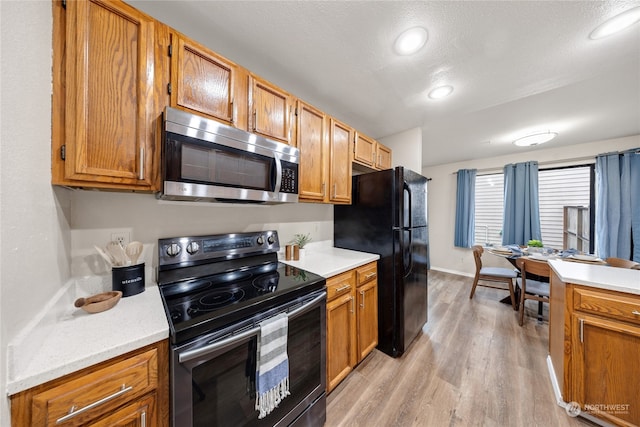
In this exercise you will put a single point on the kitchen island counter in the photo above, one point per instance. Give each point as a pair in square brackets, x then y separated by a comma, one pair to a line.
[325, 260]
[65, 339]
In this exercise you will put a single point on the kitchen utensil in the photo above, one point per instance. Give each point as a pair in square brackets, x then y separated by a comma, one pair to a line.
[104, 255]
[99, 302]
[133, 250]
[117, 253]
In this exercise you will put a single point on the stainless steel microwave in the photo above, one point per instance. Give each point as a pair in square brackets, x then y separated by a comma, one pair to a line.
[204, 160]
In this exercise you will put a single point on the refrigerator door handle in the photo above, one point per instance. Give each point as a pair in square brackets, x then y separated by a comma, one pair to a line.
[407, 214]
[407, 252]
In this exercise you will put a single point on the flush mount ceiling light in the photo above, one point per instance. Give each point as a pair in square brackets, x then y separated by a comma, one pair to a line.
[411, 41]
[617, 23]
[441, 92]
[535, 139]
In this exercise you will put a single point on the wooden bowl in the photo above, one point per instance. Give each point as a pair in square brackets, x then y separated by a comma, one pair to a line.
[99, 302]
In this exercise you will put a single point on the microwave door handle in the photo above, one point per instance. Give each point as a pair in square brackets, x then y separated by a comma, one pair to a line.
[218, 345]
[276, 188]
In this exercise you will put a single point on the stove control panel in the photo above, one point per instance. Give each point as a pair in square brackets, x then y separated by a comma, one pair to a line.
[178, 250]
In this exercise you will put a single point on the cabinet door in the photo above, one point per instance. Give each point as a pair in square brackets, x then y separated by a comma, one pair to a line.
[341, 339]
[202, 81]
[364, 150]
[311, 141]
[367, 298]
[340, 137]
[270, 109]
[138, 414]
[109, 98]
[607, 373]
[383, 157]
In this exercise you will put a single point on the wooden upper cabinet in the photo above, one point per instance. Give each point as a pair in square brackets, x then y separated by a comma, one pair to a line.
[201, 81]
[311, 141]
[340, 137]
[364, 150]
[383, 157]
[270, 110]
[104, 109]
[370, 153]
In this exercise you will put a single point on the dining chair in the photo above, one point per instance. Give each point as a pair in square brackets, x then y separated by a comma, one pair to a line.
[529, 288]
[491, 276]
[623, 263]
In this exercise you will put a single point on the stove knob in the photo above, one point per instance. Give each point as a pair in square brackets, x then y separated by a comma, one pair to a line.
[173, 249]
[271, 239]
[193, 247]
[260, 240]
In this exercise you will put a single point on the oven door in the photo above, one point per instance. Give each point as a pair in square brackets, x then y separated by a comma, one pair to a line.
[213, 379]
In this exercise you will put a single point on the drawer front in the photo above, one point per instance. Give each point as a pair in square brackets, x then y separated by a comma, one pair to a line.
[607, 304]
[366, 273]
[86, 398]
[340, 285]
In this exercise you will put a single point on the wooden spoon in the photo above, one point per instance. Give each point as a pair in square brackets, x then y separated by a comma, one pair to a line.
[117, 253]
[133, 251]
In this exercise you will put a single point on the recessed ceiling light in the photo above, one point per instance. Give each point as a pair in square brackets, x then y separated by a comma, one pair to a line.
[617, 23]
[535, 139]
[441, 92]
[411, 41]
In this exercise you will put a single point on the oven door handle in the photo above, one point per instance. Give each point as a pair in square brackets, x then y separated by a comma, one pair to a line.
[203, 351]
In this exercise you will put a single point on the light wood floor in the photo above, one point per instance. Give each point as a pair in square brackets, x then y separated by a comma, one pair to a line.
[472, 366]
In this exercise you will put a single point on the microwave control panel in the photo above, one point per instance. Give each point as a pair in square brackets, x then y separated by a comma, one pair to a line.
[289, 178]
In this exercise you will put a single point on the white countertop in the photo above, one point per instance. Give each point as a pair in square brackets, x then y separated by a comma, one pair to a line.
[598, 276]
[323, 259]
[64, 339]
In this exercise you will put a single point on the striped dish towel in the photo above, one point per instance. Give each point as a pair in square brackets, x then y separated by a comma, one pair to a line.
[272, 364]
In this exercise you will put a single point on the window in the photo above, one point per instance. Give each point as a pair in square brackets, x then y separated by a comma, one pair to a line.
[557, 188]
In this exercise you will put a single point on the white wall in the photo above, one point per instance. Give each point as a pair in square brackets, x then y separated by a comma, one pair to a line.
[407, 148]
[34, 218]
[96, 214]
[442, 196]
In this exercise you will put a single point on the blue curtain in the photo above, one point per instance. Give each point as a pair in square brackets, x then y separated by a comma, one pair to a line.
[465, 208]
[521, 220]
[618, 205]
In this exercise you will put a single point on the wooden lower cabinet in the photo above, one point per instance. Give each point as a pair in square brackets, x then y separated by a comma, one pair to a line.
[606, 375]
[129, 390]
[352, 320]
[595, 348]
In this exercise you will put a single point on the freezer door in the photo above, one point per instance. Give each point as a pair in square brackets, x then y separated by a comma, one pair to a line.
[412, 198]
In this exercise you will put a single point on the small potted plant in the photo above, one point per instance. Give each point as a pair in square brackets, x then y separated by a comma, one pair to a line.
[301, 240]
[534, 245]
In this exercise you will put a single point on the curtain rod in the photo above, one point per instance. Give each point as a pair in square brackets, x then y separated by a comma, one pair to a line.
[592, 159]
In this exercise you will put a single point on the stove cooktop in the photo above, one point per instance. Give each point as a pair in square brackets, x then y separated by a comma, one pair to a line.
[204, 304]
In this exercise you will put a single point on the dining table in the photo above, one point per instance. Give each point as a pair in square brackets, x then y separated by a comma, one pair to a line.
[512, 252]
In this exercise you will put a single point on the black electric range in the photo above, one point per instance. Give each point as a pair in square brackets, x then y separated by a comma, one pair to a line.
[210, 282]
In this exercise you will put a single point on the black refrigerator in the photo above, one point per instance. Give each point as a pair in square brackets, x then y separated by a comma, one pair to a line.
[388, 216]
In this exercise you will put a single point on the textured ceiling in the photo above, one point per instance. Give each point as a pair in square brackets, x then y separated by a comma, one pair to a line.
[516, 66]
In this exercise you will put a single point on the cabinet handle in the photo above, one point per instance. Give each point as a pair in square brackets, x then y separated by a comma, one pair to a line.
[255, 119]
[141, 176]
[232, 112]
[379, 159]
[370, 276]
[353, 309]
[323, 188]
[636, 312]
[362, 305]
[335, 191]
[143, 419]
[581, 330]
[72, 412]
[342, 288]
